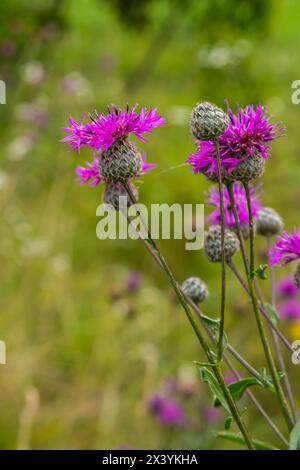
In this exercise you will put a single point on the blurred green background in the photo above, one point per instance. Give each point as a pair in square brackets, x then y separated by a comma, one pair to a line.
[85, 349]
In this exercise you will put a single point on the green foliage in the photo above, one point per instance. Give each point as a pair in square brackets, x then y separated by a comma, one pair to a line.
[238, 439]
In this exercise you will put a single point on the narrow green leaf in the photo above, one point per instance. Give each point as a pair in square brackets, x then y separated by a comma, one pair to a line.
[273, 313]
[237, 389]
[238, 439]
[208, 377]
[295, 437]
[214, 325]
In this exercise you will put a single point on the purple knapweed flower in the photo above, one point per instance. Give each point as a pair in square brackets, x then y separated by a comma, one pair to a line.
[286, 288]
[105, 129]
[133, 282]
[230, 379]
[286, 249]
[290, 310]
[167, 411]
[250, 132]
[211, 414]
[241, 205]
[172, 414]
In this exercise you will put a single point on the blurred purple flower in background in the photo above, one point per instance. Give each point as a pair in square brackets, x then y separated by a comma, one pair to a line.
[241, 205]
[286, 288]
[211, 414]
[290, 310]
[167, 411]
[133, 282]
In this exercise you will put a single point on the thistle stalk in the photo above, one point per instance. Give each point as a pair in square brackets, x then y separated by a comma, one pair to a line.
[214, 366]
[223, 268]
[260, 325]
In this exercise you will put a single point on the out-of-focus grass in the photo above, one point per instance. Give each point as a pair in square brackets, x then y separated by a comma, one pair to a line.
[92, 353]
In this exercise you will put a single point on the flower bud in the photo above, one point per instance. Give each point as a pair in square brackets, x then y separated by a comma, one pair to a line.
[120, 162]
[213, 244]
[113, 191]
[269, 222]
[297, 277]
[249, 169]
[195, 289]
[208, 121]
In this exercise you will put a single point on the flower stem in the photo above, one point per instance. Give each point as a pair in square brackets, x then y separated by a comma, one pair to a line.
[239, 358]
[238, 227]
[273, 327]
[223, 268]
[261, 329]
[246, 265]
[215, 367]
[231, 350]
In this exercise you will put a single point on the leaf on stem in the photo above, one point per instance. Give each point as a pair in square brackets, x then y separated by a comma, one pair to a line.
[260, 272]
[218, 396]
[238, 439]
[295, 437]
[273, 313]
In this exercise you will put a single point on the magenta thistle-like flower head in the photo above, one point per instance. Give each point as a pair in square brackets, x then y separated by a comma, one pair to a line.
[290, 310]
[250, 132]
[104, 129]
[286, 249]
[241, 205]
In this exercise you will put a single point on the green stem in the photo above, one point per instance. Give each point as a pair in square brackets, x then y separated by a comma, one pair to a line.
[238, 227]
[267, 350]
[232, 351]
[223, 268]
[215, 367]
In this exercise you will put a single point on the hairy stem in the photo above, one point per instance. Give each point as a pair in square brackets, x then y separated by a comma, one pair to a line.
[215, 367]
[232, 351]
[278, 333]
